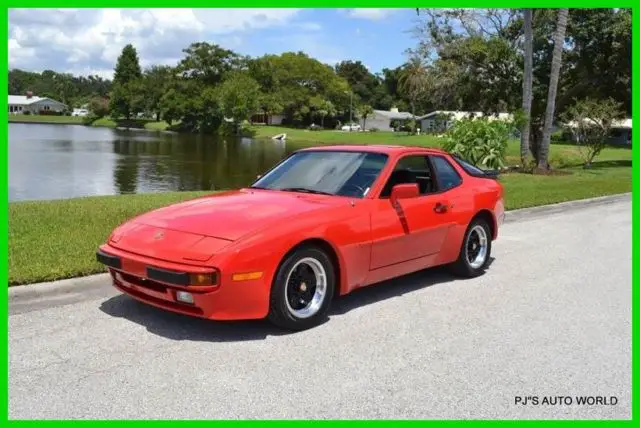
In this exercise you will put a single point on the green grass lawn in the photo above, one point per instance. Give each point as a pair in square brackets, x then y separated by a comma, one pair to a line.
[100, 123]
[57, 239]
[51, 240]
[33, 118]
[560, 156]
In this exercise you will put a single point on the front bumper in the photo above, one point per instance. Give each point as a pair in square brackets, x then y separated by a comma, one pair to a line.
[227, 300]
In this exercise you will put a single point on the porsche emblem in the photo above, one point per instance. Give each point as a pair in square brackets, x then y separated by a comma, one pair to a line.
[158, 235]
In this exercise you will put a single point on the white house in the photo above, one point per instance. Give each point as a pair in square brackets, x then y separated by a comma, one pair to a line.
[440, 120]
[620, 133]
[21, 104]
[381, 119]
[263, 119]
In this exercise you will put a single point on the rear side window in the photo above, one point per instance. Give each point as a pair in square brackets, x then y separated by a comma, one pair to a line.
[470, 169]
[446, 174]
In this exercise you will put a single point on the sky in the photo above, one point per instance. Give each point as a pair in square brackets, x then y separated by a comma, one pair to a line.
[88, 41]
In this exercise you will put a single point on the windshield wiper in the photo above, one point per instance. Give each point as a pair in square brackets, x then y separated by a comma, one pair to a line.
[305, 190]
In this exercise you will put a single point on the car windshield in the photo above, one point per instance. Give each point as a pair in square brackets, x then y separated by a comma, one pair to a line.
[341, 173]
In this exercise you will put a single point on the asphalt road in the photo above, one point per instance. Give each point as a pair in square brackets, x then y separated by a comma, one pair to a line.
[551, 317]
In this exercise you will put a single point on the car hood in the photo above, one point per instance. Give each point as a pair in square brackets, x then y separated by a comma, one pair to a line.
[231, 215]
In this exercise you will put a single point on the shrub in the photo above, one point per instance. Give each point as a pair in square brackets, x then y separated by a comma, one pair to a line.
[374, 129]
[99, 107]
[481, 141]
[557, 137]
[44, 112]
[590, 122]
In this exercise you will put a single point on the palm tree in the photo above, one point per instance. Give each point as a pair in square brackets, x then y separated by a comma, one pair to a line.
[326, 109]
[527, 85]
[556, 62]
[414, 81]
[364, 111]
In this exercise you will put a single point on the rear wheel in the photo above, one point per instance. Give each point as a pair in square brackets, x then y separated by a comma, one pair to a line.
[302, 289]
[475, 250]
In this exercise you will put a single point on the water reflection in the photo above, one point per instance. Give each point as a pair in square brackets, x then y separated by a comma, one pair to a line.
[54, 161]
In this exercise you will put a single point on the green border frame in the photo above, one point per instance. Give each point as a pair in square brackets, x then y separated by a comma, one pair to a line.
[305, 4]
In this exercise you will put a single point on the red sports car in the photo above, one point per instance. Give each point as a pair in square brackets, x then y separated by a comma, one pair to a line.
[320, 224]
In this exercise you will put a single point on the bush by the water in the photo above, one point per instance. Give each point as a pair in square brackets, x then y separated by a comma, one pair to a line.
[480, 141]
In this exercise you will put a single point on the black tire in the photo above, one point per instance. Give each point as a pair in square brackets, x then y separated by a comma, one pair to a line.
[462, 267]
[281, 312]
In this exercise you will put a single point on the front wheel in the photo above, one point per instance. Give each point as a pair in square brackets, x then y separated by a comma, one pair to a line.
[302, 290]
[475, 250]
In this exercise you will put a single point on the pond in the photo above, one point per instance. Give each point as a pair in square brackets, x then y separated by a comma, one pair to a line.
[68, 161]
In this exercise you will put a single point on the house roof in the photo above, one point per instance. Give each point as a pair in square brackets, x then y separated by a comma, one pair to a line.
[456, 115]
[393, 115]
[24, 101]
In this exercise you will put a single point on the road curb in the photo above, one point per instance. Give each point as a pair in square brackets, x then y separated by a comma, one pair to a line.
[68, 287]
[42, 290]
[535, 212]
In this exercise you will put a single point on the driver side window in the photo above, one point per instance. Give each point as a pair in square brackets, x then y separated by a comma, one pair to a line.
[411, 169]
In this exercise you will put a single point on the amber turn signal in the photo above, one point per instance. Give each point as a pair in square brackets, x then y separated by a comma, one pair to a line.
[202, 279]
[246, 276]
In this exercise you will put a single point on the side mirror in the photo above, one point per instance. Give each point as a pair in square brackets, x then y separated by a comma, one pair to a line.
[404, 191]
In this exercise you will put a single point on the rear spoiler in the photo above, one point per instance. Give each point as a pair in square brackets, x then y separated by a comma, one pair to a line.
[474, 171]
[492, 173]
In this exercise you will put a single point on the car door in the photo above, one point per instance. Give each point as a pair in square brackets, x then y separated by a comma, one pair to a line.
[414, 227]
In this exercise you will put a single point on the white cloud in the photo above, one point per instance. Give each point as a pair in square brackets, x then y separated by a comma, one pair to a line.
[370, 13]
[91, 39]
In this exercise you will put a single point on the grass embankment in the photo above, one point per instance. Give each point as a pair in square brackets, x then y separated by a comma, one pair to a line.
[51, 240]
[99, 123]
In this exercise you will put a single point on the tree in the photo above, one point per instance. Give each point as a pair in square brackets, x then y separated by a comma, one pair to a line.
[299, 83]
[127, 100]
[363, 83]
[171, 105]
[270, 104]
[527, 85]
[476, 60]
[239, 97]
[364, 110]
[127, 66]
[325, 109]
[200, 109]
[556, 62]
[590, 121]
[127, 94]
[476, 73]
[414, 81]
[157, 80]
[209, 62]
[99, 107]
[64, 88]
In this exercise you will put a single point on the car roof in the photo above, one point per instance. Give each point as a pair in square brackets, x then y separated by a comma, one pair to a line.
[375, 148]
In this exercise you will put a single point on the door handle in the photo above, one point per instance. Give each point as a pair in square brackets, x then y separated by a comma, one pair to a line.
[440, 208]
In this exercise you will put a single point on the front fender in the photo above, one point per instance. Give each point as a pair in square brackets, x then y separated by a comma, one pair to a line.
[348, 236]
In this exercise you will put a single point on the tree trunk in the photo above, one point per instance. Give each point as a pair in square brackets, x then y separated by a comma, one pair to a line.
[364, 123]
[413, 117]
[556, 62]
[535, 140]
[527, 86]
